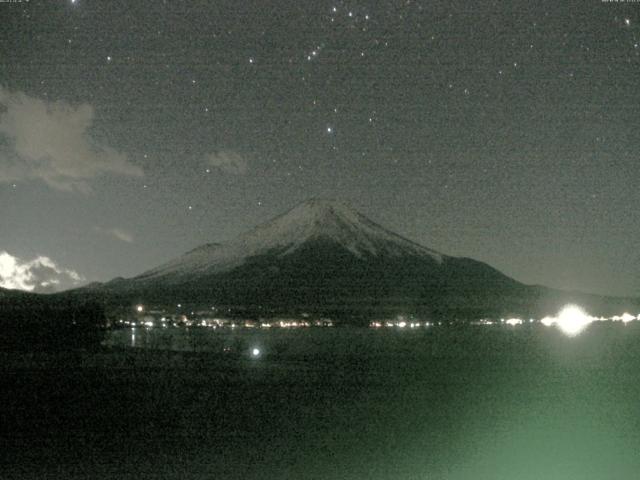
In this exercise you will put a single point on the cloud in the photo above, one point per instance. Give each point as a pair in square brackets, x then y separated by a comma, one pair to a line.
[228, 162]
[50, 141]
[117, 233]
[38, 275]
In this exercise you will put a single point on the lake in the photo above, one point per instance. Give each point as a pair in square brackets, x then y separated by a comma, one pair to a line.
[462, 403]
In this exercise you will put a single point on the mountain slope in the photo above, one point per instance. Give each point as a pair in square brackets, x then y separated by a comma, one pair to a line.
[320, 256]
[314, 220]
[323, 257]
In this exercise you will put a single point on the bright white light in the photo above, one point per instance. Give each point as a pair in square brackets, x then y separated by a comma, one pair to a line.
[514, 321]
[255, 352]
[139, 308]
[548, 321]
[572, 320]
[627, 317]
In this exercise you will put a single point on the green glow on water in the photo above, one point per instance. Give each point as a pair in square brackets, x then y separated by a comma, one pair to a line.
[503, 403]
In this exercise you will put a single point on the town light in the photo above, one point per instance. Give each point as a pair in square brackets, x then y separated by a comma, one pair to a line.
[572, 320]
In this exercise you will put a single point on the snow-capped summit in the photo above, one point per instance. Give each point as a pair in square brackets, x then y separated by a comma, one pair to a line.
[335, 221]
[324, 258]
[311, 221]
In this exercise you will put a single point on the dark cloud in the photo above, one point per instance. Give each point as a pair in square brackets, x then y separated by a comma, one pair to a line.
[117, 233]
[228, 162]
[50, 141]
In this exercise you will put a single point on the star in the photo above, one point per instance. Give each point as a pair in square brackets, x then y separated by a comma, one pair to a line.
[109, 58]
[627, 21]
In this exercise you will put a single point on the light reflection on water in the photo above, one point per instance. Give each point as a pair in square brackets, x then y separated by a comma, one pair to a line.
[463, 403]
[526, 406]
[451, 340]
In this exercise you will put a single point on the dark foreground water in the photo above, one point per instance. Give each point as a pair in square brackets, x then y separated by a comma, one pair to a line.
[446, 403]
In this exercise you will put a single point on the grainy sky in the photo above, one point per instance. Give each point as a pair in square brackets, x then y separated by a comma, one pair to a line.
[506, 131]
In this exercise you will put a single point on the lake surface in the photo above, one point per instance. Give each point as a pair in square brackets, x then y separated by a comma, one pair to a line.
[461, 403]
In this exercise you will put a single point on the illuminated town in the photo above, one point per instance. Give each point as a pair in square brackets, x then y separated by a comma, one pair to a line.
[571, 320]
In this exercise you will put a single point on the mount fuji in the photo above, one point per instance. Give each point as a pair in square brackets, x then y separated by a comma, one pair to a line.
[312, 222]
[323, 257]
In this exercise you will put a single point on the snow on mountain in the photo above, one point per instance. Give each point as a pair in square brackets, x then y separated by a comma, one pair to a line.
[325, 258]
[312, 220]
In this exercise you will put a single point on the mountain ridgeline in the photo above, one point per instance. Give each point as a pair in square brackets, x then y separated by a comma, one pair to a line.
[324, 258]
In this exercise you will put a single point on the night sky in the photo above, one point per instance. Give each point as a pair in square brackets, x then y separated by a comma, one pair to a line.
[133, 131]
